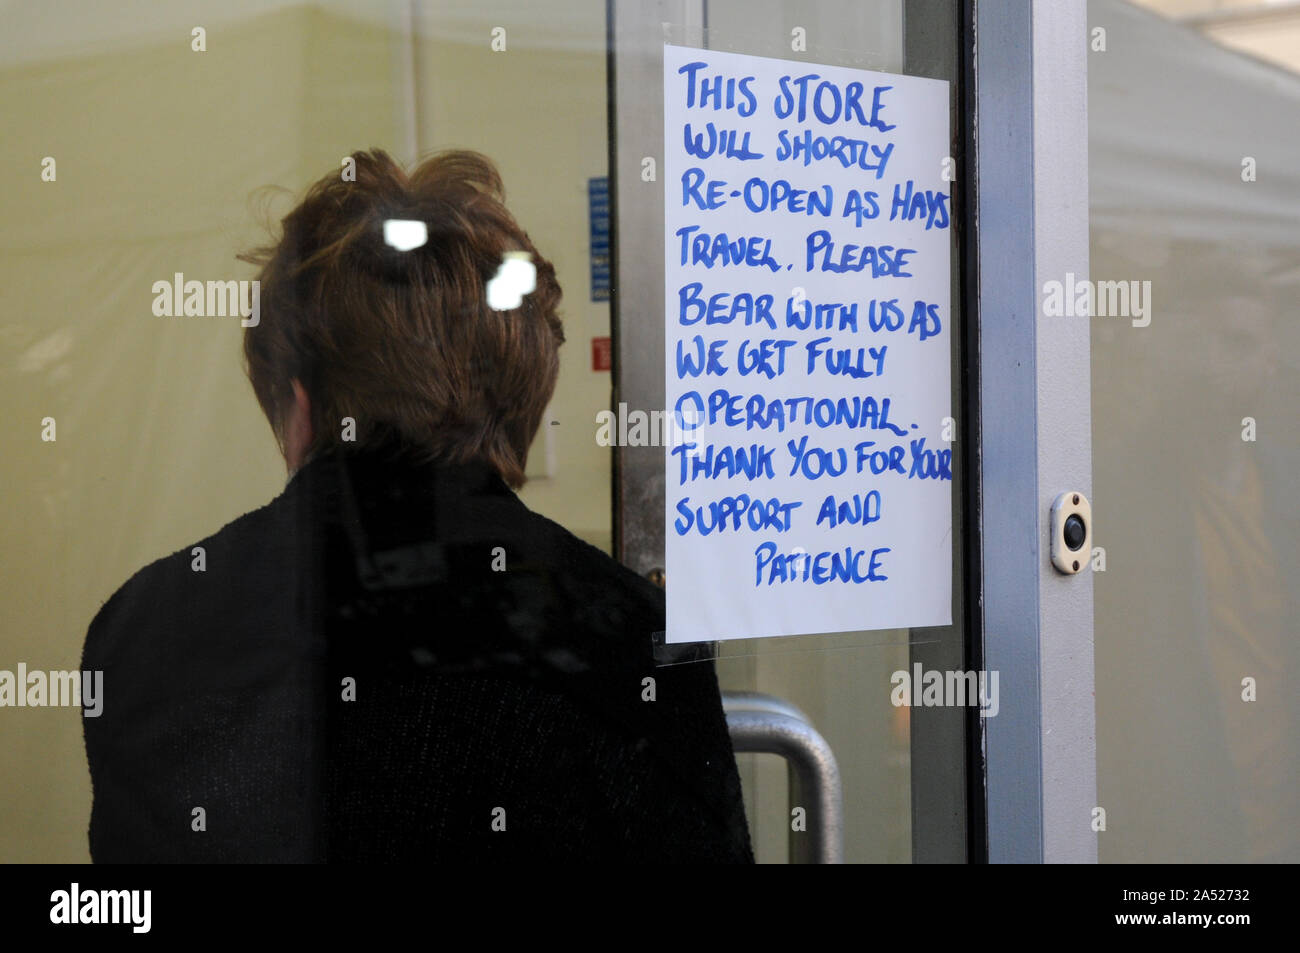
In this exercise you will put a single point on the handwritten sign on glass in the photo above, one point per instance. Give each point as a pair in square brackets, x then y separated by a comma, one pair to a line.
[807, 270]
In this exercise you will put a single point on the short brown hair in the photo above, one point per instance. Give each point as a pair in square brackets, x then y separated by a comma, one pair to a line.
[404, 342]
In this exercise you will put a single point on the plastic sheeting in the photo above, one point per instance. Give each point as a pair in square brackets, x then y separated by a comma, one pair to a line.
[1199, 526]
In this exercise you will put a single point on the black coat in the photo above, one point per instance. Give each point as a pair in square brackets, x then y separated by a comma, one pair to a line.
[391, 661]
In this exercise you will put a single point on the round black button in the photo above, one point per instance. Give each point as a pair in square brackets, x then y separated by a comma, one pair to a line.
[1075, 531]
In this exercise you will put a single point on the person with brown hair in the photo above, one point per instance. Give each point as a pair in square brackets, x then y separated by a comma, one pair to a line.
[396, 659]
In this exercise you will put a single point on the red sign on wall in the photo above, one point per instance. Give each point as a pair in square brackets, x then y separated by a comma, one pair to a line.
[602, 354]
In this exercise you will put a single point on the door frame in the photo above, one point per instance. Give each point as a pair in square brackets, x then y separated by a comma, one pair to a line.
[1029, 119]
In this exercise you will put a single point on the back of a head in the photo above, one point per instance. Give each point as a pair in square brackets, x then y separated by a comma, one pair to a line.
[406, 343]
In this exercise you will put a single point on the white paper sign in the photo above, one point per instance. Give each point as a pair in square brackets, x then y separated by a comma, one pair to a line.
[806, 264]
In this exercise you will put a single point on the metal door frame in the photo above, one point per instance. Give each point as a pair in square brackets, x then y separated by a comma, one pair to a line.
[1029, 118]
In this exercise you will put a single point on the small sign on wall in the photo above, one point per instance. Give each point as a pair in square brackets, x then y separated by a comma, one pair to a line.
[598, 216]
[602, 354]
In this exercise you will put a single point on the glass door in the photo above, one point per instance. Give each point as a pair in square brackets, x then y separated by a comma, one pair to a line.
[902, 761]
